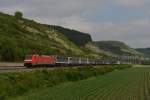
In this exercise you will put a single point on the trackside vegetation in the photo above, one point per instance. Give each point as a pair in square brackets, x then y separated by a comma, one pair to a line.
[129, 84]
[18, 83]
[20, 36]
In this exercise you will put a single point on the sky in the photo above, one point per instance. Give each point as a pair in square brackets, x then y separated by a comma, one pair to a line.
[121, 20]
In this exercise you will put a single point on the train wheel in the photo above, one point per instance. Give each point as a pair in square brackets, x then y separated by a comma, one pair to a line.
[28, 65]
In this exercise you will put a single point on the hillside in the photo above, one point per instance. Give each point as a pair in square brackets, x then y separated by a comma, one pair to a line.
[144, 51]
[19, 37]
[116, 48]
[117, 85]
[79, 38]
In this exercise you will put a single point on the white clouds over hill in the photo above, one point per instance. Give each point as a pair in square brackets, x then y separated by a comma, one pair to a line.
[126, 20]
[132, 3]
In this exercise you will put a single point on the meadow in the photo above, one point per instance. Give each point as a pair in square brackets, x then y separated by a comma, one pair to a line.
[13, 84]
[128, 84]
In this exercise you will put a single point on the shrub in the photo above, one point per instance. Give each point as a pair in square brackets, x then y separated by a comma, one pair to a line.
[18, 83]
[18, 15]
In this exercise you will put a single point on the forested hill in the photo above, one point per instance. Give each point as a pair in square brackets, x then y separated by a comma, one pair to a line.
[117, 48]
[79, 38]
[145, 51]
[20, 36]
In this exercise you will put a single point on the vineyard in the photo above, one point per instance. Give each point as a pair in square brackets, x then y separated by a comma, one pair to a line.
[129, 84]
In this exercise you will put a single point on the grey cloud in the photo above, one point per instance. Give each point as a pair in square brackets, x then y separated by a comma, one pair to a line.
[135, 33]
[69, 13]
[131, 3]
[53, 7]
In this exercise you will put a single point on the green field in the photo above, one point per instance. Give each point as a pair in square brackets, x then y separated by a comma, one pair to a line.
[129, 84]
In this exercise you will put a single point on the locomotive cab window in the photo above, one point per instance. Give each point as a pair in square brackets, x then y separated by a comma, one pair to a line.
[28, 57]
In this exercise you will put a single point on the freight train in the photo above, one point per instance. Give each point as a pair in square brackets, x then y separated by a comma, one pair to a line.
[55, 60]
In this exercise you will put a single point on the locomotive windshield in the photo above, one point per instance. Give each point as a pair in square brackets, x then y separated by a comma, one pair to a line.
[28, 57]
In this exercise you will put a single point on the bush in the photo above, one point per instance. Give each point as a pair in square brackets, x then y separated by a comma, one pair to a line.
[18, 83]
[18, 15]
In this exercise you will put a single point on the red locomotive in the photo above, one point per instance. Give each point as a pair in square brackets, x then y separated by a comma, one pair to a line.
[36, 60]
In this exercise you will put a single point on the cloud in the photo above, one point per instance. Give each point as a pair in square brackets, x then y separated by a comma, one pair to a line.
[144, 23]
[130, 3]
[124, 20]
[76, 22]
[52, 7]
[135, 33]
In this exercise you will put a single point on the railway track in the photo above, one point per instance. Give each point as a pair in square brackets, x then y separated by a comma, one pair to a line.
[19, 67]
[22, 69]
[5, 69]
[8, 66]
[13, 69]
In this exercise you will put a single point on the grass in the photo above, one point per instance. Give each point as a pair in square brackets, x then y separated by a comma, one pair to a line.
[129, 84]
[19, 83]
[116, 48]
[21, 37]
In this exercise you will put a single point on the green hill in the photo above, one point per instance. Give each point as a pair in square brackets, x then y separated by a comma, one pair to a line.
[19, 37]
[79, 38]
[116, 48]
[144, 51]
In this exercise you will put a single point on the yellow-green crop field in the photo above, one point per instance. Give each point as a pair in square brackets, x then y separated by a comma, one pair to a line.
[128, 84]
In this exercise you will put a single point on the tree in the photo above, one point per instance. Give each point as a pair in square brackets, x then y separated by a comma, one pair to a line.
[18, 15]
